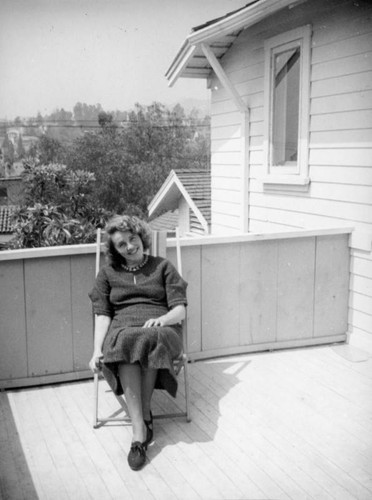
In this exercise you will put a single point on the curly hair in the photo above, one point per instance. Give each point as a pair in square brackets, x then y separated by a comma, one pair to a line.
[124, 223]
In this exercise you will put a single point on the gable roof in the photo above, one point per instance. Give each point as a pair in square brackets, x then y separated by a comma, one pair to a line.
[6, 212]
[219, 34]
[165, 222]
[193, 185]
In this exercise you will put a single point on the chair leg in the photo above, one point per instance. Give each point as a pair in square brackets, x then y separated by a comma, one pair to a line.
[95, 400]
[187, 392]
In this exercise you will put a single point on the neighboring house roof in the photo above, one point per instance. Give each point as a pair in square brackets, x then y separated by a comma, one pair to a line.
[165, 222]
[194, 186]
[218, 36]
[6, 213]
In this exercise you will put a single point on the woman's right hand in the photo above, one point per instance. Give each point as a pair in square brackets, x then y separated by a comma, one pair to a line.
[96, 362]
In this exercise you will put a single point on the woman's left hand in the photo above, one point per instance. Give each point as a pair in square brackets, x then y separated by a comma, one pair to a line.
[154, 322]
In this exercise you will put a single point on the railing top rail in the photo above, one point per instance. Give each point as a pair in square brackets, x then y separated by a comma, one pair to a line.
[32, 253]
[250, 237]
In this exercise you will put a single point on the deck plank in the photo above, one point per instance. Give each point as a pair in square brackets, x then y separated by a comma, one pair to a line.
[289, 424]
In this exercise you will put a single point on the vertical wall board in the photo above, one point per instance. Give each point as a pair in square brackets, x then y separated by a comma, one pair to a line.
[13, 342]
[191, 259]
[258, 282]
[48, 315]
[296, 262]
[220, 296]
[331, 285]
[82, 281]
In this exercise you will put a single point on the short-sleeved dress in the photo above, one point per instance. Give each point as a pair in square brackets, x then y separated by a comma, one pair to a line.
[130, 299]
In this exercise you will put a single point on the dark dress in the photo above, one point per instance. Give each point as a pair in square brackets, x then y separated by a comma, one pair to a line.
[130, 299]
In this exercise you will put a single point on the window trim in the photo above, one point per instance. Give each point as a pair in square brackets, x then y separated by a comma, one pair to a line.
[284, 177]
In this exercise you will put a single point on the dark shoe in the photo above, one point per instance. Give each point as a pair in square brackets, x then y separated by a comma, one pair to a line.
[137, 455]
[149, 429]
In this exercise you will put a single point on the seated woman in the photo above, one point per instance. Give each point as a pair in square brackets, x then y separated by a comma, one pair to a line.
[139, 302]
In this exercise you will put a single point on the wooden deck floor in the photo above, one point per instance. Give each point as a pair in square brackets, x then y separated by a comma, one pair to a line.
[287, 424]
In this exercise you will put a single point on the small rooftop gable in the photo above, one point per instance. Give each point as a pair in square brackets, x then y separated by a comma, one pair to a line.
[193, 185]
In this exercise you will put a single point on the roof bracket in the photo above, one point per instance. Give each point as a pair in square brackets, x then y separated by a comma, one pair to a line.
[225, 81]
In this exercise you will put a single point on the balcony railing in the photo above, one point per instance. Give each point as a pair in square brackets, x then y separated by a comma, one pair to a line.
[246, 293]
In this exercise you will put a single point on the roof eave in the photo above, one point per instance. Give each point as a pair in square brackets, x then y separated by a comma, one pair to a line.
[242, 19]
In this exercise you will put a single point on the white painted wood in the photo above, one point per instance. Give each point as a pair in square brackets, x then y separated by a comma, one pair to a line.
[361, 265]
[341, 210]
[342, 121]
[227, 158]
[344, 66]
[349, 102]
[360, 138]
[361, 302]
[340, 175]
[358, 156]
[331, 285]
[342, 84]
[341, 48]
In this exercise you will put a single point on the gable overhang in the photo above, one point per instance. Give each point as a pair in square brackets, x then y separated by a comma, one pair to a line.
[168, 198]
[193, 61]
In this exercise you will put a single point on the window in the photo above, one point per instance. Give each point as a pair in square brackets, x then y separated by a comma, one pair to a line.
[287, 82]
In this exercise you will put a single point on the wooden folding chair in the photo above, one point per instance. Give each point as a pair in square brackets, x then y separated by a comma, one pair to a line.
[158, 248]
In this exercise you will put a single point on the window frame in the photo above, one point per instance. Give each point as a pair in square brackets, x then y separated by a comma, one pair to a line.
[288, 176]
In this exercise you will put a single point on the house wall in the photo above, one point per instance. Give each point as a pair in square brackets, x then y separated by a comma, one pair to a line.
[340, 152]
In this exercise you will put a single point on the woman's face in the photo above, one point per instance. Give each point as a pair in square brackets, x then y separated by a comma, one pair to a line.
[128, 245]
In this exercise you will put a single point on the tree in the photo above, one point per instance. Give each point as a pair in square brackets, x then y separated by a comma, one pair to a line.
[131, 162]
[57, 208]
[20, 148]
[47, 150]
[8, 150]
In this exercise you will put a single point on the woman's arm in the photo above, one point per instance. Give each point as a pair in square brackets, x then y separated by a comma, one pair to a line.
[102, 324]
[175, 315]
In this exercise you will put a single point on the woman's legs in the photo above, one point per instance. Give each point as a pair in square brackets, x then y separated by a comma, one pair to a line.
[148, 384]
[131, 381]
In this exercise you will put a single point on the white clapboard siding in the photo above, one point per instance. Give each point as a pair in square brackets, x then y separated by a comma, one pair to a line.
[345, 66]
[222, 171]
[342, 121]
[342, 84]
[225, 207]
[294, 220]
[361, 302]
[226, 183]
[360, 138]
[225, 196]
[349, 102]
[340, 139]
[330, 208]
[362, 266]
[353, 45]
[226, 158]
[361, 176]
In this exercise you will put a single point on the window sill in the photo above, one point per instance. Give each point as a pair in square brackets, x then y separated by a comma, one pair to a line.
[286, 183]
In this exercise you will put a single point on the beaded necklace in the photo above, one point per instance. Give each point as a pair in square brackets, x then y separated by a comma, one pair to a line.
[136, 268]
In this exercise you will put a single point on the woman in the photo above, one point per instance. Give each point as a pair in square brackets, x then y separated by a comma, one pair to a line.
[139, 302]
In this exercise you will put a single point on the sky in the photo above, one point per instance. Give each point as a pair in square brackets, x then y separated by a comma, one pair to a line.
[55, 53]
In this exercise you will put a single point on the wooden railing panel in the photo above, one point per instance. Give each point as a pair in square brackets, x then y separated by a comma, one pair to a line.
[258, 292]
[295, 293]
[13, 338]
[191, 270]
[246, 293]
[48, 313]
[220, 296]
[331, 285]
[82, 280]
